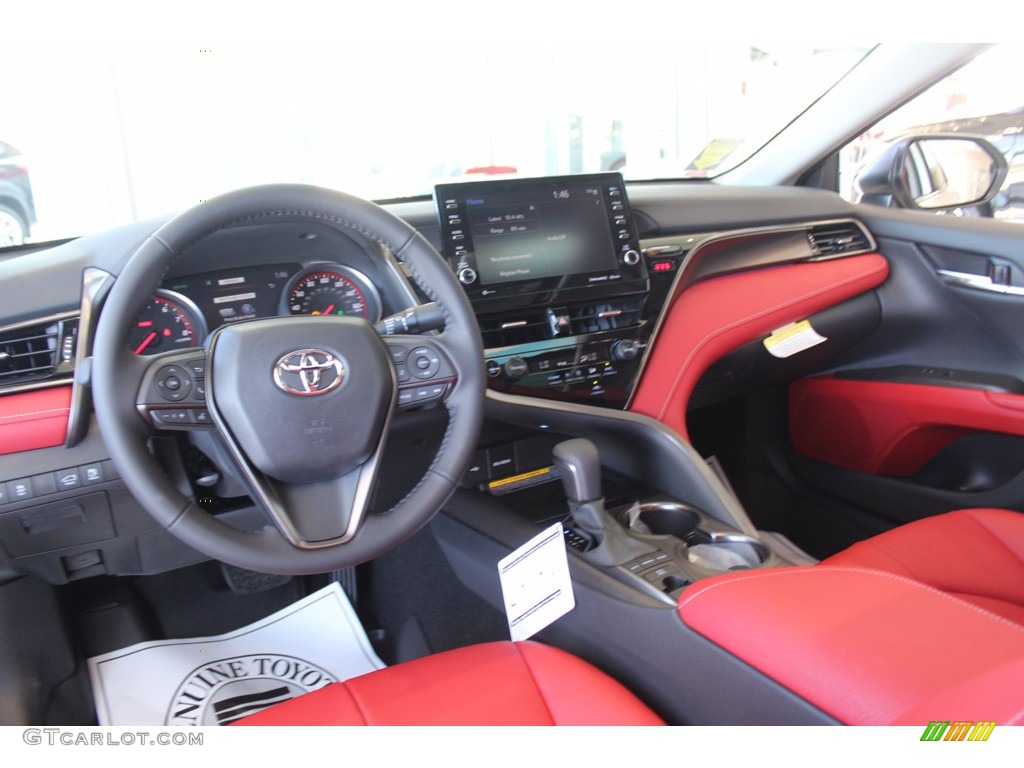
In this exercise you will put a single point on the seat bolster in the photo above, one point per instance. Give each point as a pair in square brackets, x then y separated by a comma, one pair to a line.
[863, 646]
[975, 554]
[500, 683]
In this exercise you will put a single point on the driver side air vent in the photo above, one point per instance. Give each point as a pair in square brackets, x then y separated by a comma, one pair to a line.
[839, 239]
[35, 352]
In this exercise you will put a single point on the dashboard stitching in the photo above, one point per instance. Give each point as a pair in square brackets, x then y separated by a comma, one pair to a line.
[35, 413]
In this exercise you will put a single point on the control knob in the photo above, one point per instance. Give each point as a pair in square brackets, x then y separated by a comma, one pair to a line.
[467, 275]
[625, 349]
[516, 367]
[631, 257]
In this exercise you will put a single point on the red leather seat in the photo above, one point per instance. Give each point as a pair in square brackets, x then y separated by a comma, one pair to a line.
[976, 555]
[500, 683]
[924, 622]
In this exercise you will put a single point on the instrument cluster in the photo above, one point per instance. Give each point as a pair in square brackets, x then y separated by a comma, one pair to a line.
[185, 311]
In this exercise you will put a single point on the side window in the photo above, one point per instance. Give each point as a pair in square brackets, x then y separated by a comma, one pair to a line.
[983, 100]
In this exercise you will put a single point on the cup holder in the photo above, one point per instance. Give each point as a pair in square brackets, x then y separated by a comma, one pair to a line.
[669, 518]
[712, 550]
[725, 551]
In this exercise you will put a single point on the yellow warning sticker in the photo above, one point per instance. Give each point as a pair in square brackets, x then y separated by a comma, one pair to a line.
[520, 478]
[793, 338]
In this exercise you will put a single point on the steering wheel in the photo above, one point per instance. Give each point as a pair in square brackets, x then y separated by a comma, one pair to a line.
[302, 403]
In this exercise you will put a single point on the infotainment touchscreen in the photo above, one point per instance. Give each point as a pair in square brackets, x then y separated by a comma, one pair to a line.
[530, 235]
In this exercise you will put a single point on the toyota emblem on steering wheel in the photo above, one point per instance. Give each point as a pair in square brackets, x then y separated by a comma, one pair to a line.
[308, 372]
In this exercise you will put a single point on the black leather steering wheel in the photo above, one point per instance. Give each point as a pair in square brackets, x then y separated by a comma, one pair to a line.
[302, 403]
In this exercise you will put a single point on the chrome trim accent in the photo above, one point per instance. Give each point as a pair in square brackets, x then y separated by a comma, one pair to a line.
[310, 372]
[978, 282]
[95, 285]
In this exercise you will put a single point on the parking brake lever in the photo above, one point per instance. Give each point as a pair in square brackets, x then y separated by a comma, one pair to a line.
[579, 464]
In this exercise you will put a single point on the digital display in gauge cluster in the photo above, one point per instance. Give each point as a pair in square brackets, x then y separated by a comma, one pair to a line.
[235, 295]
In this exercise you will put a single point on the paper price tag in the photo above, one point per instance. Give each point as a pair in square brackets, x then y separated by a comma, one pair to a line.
[535, 583]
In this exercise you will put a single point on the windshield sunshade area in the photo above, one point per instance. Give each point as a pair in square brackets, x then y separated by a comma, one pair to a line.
[111, 134]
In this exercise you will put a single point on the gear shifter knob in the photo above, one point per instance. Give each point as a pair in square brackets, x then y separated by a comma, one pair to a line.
[579, 464]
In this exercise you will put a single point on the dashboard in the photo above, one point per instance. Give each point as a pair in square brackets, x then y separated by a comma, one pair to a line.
[579, 326]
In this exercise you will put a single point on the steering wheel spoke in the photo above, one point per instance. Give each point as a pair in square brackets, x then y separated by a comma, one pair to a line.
[424, 371]
[172, 391]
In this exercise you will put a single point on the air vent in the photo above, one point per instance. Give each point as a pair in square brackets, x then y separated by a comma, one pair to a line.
[838, 239]
[531, 326]
[608, 316]
[37, 352]
[515, 328]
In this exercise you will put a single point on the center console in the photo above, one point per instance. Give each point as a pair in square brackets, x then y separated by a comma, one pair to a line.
[554, 271]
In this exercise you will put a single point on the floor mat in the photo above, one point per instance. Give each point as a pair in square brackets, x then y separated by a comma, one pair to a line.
[216, 680]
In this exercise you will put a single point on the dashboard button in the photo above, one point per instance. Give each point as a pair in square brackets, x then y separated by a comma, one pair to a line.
[43, 484]
[19, 490]
[516, 367]
[91, 473]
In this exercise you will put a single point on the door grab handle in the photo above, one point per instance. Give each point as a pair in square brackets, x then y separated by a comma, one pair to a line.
[980, 282]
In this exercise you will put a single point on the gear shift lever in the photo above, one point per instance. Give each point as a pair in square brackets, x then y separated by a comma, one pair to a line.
[579, 464]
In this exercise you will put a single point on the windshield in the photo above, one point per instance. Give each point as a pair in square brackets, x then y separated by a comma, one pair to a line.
[105, 135]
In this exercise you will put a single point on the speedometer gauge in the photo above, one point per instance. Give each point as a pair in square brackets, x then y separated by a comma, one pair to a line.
[168, 321]
[334, 291]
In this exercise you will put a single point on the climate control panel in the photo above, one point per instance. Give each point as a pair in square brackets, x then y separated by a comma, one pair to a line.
[599, 371]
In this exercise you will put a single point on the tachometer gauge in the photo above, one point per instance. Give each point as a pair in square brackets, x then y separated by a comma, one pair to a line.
[168, 321]
[331, 290]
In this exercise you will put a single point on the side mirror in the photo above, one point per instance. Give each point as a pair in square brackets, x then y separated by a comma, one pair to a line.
[937, 172]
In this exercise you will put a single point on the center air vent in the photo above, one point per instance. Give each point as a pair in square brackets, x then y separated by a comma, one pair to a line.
[530, 326]
[36, 352]
[838, 239]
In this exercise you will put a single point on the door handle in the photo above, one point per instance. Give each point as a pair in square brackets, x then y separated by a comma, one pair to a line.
[979, 282]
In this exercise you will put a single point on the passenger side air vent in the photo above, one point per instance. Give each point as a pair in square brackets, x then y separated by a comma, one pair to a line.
[560, 322]
[838, 239]
[38, 351]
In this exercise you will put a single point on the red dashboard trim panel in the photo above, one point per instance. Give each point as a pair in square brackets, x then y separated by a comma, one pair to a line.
[715, 316]
[30, 420]
[888, 428]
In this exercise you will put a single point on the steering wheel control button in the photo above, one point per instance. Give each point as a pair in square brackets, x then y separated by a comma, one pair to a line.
[171, 417]
[308, 372]
[197, 368]
[405, 397]
[398, 354]
[402, 373]
[173, 383]
[424, 363]
[202, 417]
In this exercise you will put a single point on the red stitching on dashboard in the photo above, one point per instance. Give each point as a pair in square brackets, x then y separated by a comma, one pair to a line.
[36, 413]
